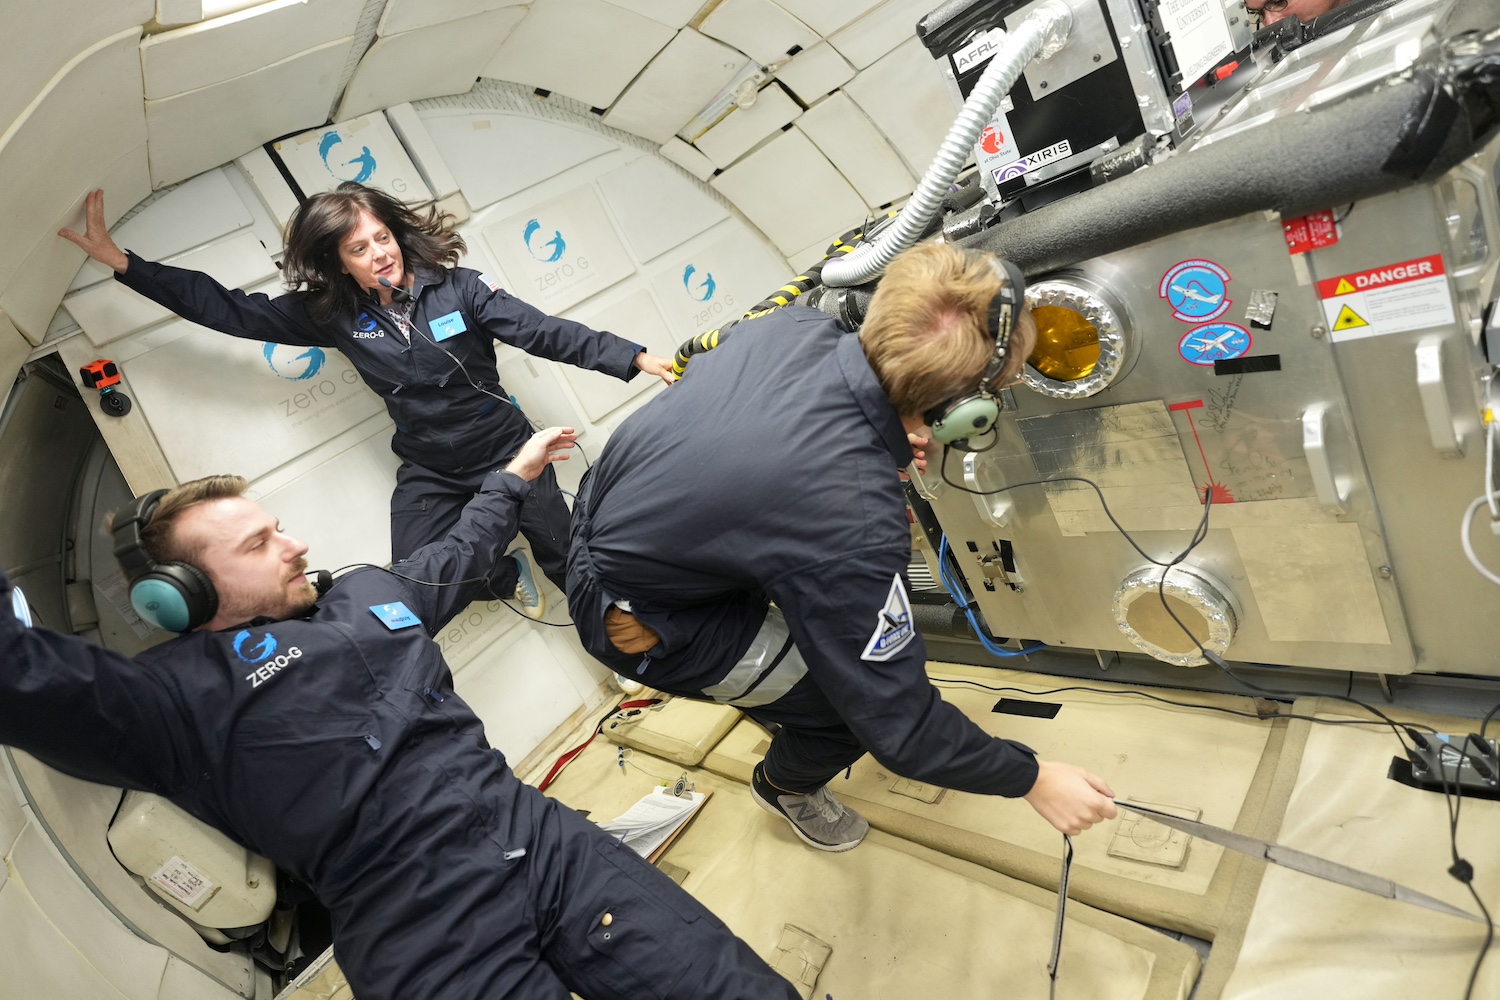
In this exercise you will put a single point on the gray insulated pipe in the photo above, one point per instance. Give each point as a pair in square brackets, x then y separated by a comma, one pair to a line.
[1414, 127]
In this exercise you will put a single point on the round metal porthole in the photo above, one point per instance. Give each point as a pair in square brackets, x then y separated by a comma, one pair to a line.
[1082, 343]
[1203, 603]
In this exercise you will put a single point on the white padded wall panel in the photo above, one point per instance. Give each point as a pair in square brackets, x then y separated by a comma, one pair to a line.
[588, 50]
[206, 127]
[269, 186]
[213, 399]
[823, 17]
[423, 151]
[635, 318]
[88, 117]
[494, 156]
[363, 149]
[196, 212]
[688, 158]
[428, 62]
[853, 144]
[758, 28]
[904, 95]
[32, 294]
[210, 52]
[672, 13]
[789, 171]
[815, 71]
[880, 31]
[179, 11]
[475, 629]
[524, 691]
[409, 15]
[716, 280]
[341, 507]
[108, 310]
[678, 83]
[534, 384]
[742, 128]
[14, 349]
[559, 252]
[129, 965]
[657, 208]
[40, 38]
[40, 961]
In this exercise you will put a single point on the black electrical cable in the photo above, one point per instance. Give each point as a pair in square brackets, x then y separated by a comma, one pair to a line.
[1461, 869]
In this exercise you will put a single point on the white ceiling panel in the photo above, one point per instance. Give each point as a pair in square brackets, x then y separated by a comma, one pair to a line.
[404, 121]
[716, 281]
[196, 212]
[823, 17]
[363, 149]
[857, 148]
[758, 28]
[561, 251]
[109, 310]
[87, 119]
[409, 15]
[672, 13]
[588, 50]
[759, 185]
[688, 158]
[742, 128]
[203, 128]
[880, 31]
[678, 83]
[494, 156]
[428, 62]
[816, 71]
[184, 59]
[209, 397]
[657, 208]
[637, 319]
[269, 186]
[338, 534]
[40, 38]
[903, 94]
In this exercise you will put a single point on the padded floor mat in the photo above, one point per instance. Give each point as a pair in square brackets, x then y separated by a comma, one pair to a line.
[1305, 938]
[681, 730]
[1204, 763]
[902, 920]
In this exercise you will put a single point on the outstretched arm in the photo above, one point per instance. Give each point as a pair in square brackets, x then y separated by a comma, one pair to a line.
[455, 570]
[195, 296]
[89, 711]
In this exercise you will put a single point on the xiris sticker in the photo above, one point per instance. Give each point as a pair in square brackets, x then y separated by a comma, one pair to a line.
[1214, 342]
[1197, 290]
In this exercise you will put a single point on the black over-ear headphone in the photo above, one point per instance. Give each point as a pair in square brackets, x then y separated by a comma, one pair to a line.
[956, 420]
[176, 596]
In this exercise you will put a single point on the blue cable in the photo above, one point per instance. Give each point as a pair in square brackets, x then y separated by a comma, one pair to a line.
[968, 609]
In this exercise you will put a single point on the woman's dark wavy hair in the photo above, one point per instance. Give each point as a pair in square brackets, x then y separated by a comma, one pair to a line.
[313, 235]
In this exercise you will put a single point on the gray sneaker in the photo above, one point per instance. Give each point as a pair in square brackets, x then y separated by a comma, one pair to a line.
[821, 820]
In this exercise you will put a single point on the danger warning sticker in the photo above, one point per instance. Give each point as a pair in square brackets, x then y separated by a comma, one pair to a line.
[1411, 295]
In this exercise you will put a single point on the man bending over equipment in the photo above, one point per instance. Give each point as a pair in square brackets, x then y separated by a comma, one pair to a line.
[769, 474]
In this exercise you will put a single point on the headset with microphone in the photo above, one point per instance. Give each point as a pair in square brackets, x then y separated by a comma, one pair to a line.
[176, 596]
[956, 420]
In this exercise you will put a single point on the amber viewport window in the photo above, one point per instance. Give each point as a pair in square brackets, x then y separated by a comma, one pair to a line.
[1067, 345]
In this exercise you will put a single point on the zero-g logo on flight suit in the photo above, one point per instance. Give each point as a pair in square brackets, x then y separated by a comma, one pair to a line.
[365, 328]
[263, 653]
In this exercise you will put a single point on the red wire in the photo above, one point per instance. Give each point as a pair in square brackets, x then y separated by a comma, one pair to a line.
[567, 758]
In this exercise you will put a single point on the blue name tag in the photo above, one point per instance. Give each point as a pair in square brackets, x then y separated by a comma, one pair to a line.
[395, 615]
[447, 326]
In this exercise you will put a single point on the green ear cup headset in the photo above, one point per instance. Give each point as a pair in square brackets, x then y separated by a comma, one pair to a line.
[955, 421]
[175, 596]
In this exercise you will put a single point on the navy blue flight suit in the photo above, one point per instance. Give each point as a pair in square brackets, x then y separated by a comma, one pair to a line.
[335, 746]
[449, 433]
[769, 473]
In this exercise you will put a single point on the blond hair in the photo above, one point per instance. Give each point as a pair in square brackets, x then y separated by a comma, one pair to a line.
[926, 336]
[157, 537]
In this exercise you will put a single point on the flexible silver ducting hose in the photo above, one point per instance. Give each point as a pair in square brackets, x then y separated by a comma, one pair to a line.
[1042, 33]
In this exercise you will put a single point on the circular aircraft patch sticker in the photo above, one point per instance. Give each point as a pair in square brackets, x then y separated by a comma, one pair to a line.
[1212, 342]
[1197, 290]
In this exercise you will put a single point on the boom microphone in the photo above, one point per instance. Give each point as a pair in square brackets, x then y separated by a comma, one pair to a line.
[397, 294]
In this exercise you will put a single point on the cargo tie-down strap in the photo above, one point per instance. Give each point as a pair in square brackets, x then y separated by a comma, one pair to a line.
[1287, 857]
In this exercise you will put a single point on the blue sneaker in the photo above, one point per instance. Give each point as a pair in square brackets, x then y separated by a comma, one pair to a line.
[528, 594]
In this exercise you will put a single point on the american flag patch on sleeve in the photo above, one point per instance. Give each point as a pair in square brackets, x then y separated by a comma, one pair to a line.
[494, 285]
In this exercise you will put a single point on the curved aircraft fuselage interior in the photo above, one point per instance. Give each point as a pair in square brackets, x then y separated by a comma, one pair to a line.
[1253, 444]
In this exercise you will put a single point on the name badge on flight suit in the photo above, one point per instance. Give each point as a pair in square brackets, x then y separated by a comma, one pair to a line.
[447, 326]
[395, 615]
